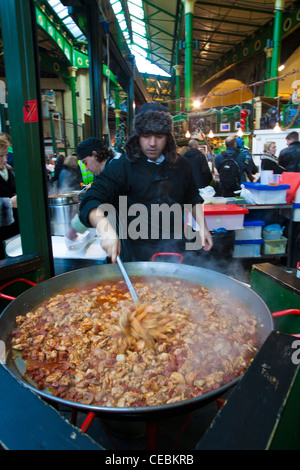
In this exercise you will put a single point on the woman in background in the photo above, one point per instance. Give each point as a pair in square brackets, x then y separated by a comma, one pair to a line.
[269, 161]
[9, 225]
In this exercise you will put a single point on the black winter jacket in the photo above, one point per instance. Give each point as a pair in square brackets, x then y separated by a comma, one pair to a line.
[289, 157]
[144, 184]
[269, 162]
[201, 171]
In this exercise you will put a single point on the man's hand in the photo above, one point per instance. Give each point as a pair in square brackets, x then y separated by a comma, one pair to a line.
[108, 237]
[13, 201]
[112, 248]
[206, 236]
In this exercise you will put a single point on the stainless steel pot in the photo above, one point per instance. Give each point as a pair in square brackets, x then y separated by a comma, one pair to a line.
[63, 208]
[36, 295]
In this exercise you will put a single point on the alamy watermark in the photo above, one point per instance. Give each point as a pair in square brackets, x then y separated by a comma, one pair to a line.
[156, 222]
[2, 352]
[296, 354]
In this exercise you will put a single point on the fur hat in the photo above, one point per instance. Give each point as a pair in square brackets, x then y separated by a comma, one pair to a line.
[87, 146]
[152, 118]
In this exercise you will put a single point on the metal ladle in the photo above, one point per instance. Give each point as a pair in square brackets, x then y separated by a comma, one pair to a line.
[127, 280]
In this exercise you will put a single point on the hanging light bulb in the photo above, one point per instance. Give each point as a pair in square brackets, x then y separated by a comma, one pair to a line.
[197, 104]
[211, 134]
[240, 133]
[277, 128]
[187, 134]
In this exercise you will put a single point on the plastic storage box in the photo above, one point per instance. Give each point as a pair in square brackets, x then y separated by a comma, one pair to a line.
[296, 212]
[296, 215]
[272, 232]
[230, 216]
[275, 247]
[247, 248]
[266, 194]
[251, 231]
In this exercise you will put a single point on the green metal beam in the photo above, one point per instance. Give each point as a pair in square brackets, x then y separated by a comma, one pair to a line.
[159, 9]
[52, 30]
[212, 41]
[252, 46]
[222, 20]
[235, 7]
[73, 55]
[24, 99]
[219, 32]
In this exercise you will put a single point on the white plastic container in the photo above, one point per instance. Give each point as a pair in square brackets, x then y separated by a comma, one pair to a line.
[275, 247]
[247, 248]
[267, 194]
[273, 234]
[230, 216]
[265, 176]
[251, 231]
[296, 213]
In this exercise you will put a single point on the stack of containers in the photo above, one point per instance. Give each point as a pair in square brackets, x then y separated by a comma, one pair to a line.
[248, 240]
[274, 242]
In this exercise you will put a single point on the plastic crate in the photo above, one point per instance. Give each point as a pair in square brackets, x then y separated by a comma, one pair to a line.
[247, 248]
[251, 231]
[272, 234]
[275, 247]
[230, 216]
[266, 194]
[296, 214]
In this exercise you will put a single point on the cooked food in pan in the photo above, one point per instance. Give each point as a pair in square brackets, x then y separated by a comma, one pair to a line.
[92, 345]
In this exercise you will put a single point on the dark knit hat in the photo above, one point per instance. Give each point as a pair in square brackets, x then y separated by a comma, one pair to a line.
[87, 146]
[153, 118]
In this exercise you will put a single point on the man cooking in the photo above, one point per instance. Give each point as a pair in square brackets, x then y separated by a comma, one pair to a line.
[95, 155]
[143, 187]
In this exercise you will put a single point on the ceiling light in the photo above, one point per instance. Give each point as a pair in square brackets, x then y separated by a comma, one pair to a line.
[211, 134]
[187, 134]
[281, 67]
[277, 128]
[240, 132]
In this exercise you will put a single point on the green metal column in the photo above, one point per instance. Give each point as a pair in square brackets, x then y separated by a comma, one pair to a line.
[130, 95]
[117, 107]
[19, 36]
[178, 70]
[279, 7]
[53, 136]
[94, 31]
[189, 15]
[73, 80]
[269, 51]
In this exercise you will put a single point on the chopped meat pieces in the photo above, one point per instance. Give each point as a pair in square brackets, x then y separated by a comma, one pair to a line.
[91, 345]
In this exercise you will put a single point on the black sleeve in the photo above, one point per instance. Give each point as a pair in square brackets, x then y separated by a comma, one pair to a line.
[105, 189]
[205, 170]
